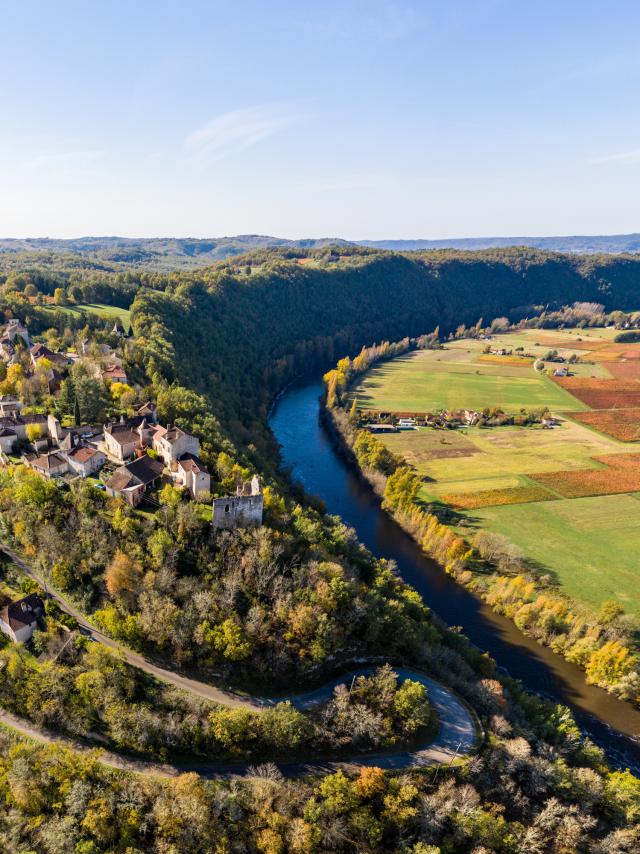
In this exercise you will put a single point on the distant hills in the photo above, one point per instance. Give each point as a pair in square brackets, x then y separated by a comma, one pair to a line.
[183, 253]
[612, 244]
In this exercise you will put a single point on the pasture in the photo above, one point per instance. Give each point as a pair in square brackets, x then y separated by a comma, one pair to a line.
[589, 545]
[428, 380]
[100, 309]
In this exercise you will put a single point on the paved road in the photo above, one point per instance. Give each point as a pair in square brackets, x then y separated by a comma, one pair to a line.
[457, 736]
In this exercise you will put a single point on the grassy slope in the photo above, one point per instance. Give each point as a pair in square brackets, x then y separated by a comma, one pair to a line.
[110, 311]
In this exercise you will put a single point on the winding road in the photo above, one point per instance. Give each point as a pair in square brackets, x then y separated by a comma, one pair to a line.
[459, 733]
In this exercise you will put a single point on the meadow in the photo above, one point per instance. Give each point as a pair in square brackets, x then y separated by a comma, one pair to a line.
[433, 379]
[568, 496]
[589, 545]
[101, 309]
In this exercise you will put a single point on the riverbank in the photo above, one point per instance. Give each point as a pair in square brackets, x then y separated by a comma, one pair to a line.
[609, 664]
[310, 455]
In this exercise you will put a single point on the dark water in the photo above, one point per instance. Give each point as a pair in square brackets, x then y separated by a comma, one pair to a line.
[310, 454]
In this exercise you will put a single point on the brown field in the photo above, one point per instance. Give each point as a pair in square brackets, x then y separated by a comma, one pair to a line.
[615, 352]
[449, 453]
[621, 474]
[622, 424]
[560, 343]
[627, 370]
[602, 393]
[497, 497]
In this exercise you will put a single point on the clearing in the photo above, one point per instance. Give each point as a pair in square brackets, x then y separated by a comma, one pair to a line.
[101, 309]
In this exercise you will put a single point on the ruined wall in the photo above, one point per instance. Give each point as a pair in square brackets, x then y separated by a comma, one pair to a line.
[238, 511]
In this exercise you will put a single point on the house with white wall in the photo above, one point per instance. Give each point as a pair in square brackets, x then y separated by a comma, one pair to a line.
[19, 619]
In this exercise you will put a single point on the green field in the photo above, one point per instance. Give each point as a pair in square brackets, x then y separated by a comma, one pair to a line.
[428, 380]
[471, 453]
[102, 310]
[590, 545]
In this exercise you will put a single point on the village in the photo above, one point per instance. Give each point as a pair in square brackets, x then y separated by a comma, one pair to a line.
[448, 419]
[129, 456]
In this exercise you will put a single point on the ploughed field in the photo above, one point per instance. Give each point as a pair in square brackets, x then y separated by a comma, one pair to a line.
[569, 495]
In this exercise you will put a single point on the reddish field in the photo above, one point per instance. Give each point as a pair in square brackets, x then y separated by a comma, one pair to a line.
[613, 352]
[622, 424]
[602, 393]
[621, 474]
[560, 343]
[627, 370]
[496, 497]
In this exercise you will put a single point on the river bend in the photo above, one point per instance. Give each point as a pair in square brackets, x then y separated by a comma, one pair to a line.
[309, 453]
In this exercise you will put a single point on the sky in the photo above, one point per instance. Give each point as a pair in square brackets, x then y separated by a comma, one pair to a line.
[361, 119]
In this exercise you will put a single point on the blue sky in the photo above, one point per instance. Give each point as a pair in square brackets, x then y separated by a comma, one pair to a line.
[376, 119]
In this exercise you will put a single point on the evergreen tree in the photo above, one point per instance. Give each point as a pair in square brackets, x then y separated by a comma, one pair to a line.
[65, 404]
[76, 411]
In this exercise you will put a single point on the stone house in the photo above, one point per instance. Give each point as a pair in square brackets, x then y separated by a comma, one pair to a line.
[148, 411]
[13, 328]
[115, 374]
[171, 443]
[8, 439]
[10, 405]
[242, 510]
[19, 619]
[192, 475]
[131, 481]
[48, 465]
[122, 438]
[41, 351]
[83, 460]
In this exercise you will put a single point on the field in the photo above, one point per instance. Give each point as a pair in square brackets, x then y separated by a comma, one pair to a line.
[617, 474]
[602, 393]
[102, 310]
[431, 379]
[622, 424]
[568, 496]
[590, 545]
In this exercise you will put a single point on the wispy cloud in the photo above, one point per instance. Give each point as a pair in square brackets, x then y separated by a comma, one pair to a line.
[620, 157]
[62, 160]
[238, 130]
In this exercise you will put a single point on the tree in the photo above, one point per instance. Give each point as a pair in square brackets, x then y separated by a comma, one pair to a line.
[123, 575]
[60, 296]
[66, 399]
[75, 294]
[33, 432]
[92, 398]
[77, 416]
[118, 390]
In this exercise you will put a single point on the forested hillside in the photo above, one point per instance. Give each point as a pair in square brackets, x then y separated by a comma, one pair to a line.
[286, 605]
[240, 330]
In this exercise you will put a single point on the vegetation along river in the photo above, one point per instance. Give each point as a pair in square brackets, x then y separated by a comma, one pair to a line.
[314, 462]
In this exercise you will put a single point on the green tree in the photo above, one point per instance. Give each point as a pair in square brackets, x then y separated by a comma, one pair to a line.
[92, 398]
[60, 296]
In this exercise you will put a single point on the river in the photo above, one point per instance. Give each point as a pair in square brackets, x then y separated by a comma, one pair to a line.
[309, 453]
